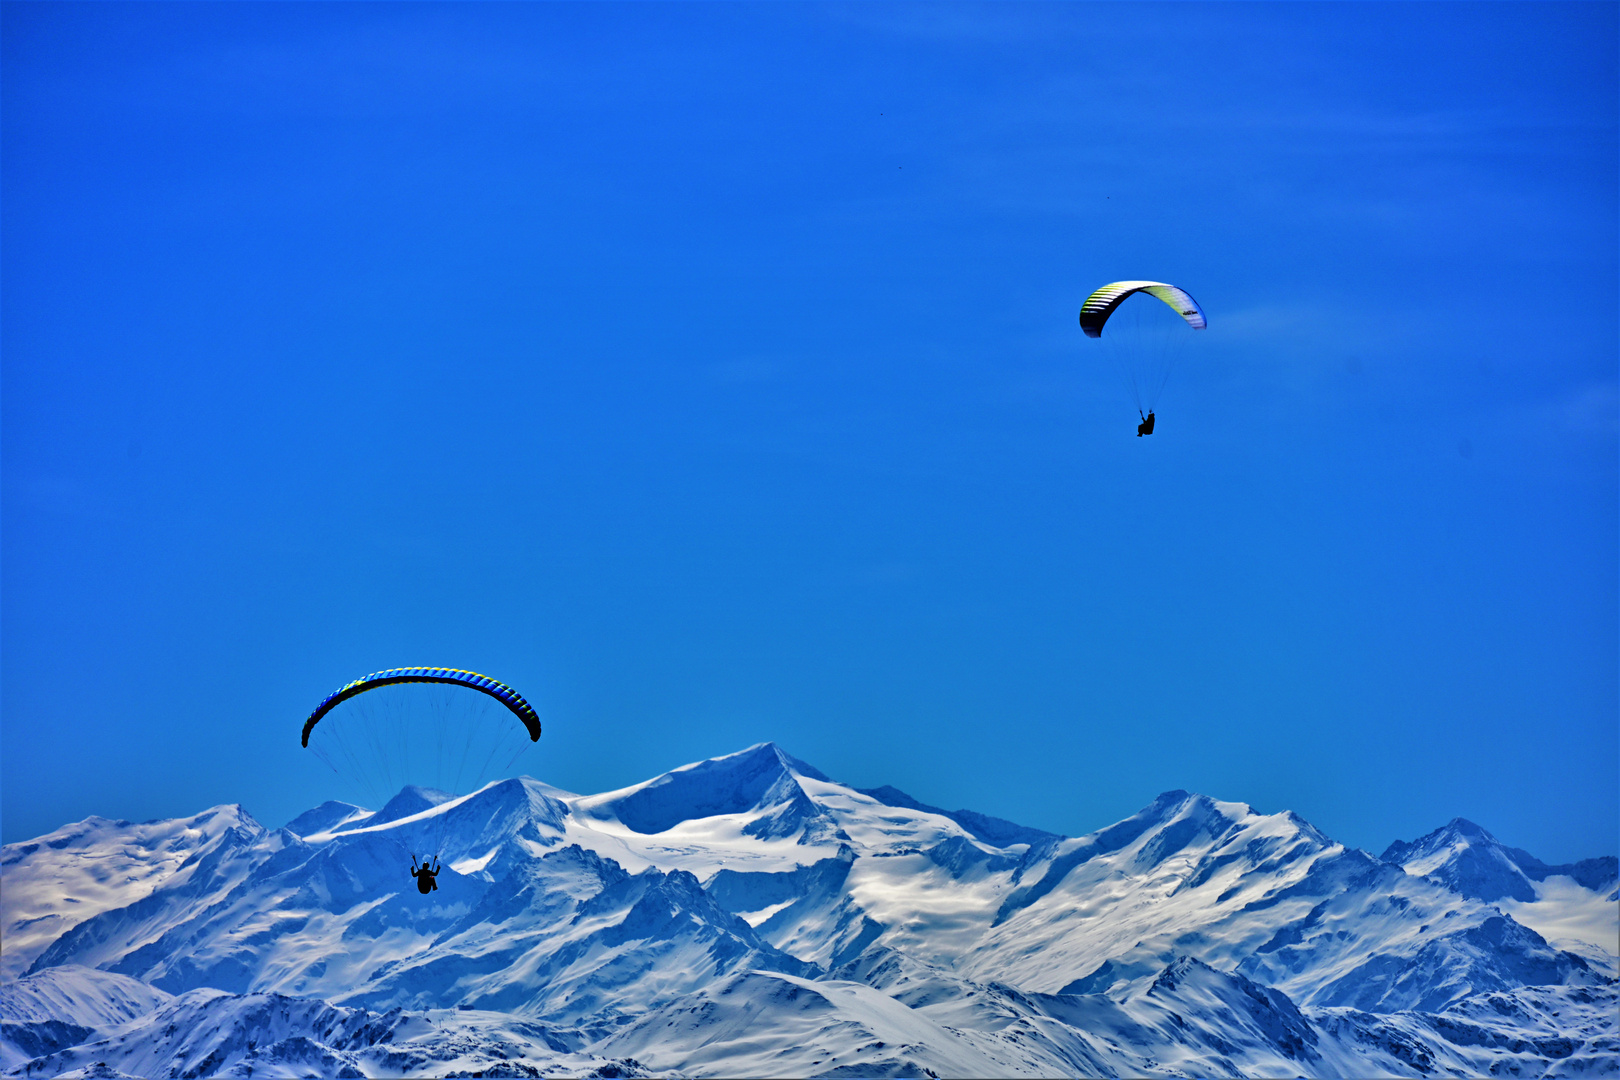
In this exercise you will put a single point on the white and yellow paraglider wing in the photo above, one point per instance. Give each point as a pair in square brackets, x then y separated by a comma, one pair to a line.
[1101, 304]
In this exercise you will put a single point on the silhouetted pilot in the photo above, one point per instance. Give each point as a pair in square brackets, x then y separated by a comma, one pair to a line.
[424, 876]
[1146, 426]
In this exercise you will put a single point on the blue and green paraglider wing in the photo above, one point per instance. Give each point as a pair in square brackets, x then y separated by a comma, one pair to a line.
[450, 676]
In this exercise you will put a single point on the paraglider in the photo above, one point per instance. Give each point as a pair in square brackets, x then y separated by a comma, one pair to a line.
[425, 876]
[411, 741]
[1143, 342]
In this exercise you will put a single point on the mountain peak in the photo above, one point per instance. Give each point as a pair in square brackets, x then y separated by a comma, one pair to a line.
[1469, 831]
[1176, 803]
[325, 817]
[1467, 858]
[787, 760]
[761, 777]
[1473, 862]
[1190, 805]
[410, 800]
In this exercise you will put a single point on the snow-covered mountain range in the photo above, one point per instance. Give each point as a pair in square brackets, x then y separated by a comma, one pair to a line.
[747, 915]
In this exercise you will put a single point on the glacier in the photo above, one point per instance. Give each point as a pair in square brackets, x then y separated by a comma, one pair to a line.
[748, 915]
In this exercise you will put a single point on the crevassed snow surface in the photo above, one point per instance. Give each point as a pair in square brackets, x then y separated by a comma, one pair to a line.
[749, 915]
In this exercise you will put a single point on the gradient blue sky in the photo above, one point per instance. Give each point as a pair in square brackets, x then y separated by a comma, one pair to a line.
[710, 374]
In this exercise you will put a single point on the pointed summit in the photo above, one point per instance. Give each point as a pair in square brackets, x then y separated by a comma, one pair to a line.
[788, 761]
[410, 800]
[1467, 859]
[1479, 866]
[761, 781]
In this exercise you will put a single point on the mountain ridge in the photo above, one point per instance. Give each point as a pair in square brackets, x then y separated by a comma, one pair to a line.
[599, 917]
[1472, 861]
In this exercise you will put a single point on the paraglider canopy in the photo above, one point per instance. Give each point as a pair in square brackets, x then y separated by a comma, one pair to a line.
[1102, 303]
[450, 676]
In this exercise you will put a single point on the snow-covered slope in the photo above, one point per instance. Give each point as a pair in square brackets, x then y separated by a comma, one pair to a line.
[65, 1006]
[78, 995]
[212, 1033]
[1575, 907]
[56, 882]
[1189, 1021]
[749, 914]
[1266, 895]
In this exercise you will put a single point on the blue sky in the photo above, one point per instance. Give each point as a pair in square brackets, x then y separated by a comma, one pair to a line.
[710, 374]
